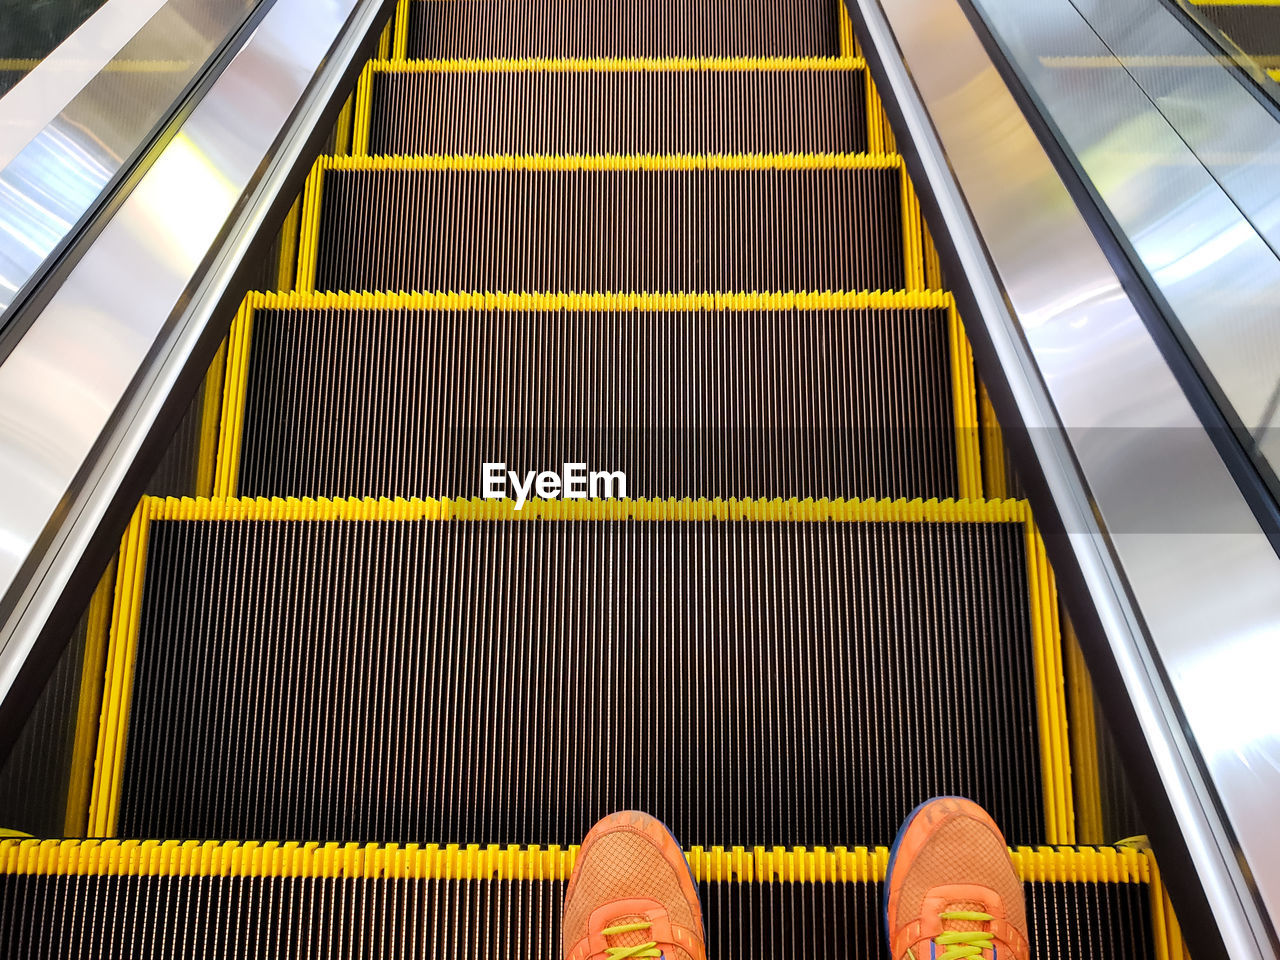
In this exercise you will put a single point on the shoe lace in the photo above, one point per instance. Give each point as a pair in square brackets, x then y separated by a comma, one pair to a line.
[649, 949]
[964, 943]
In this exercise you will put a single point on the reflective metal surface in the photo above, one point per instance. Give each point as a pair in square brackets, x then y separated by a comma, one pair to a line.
[81, 390]
[42, 94]
[1150, 509]
[51, 182]
[1188, 162]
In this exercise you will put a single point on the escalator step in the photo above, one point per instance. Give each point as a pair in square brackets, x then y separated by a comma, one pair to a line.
[632, 224]
[512, 680]
[616, 107]
[232, 901]
[613, 28]
[863, 395]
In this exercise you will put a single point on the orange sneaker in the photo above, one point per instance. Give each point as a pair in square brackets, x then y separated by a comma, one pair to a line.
[951, 891]
[632, 894]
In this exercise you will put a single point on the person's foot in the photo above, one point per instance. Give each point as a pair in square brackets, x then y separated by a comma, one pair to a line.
[631, 894]
[951, 891]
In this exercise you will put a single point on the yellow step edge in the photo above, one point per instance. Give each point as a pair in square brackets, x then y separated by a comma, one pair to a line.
[1046, 636]
[965, 409]
[384, 39]
[1084, 740]
[1051, 705]
[212, 858]
[621, 65]
[613, 162]
[658, 510]
[400, 31]
[848, 44]
[89, 704]
[995, 482]
[212, 394]
[582, 302]
[1235, 3]
[398, 64]
[113, 723]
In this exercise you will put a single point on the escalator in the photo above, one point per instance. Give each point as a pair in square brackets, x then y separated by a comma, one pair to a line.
[774, 594]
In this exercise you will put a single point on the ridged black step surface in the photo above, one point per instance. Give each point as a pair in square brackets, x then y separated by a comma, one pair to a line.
[614, 28]
[771, 403]
[686, 111]
[239, 918]
[777, 682]
[613, 230]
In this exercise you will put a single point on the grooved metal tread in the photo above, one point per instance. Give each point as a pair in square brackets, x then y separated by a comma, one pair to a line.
[410, 396]
[788, 681]
[607, 224]
[241, 901]
[645, 28]
[615, 107]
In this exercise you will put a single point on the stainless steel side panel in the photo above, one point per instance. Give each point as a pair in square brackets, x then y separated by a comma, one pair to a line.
[50, 183]
[1147, 500]
[1188, 162]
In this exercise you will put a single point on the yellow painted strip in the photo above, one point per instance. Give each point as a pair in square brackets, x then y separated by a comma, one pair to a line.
[1274, 75]
[992, 447]
[548, 302]
[890, 142]
[1084, 740]
[117, 691]
[342, 128]
[1129, 61]
[623, 65]
[233, 399]
[27, 64]
[932, 262]
[230, 858]
[964, 406]
[912, 235]
[1236, 3]
[968, 456]
[309, 234]
[210, 415]
[876, 141]
[400, 32]
[1161, 916]
[364, 113]
[1055, 763]
[89, 711]
[880, 137]
[847, 43]
[755, 161]
[384, 41]
[289, 246]
[383, 509]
